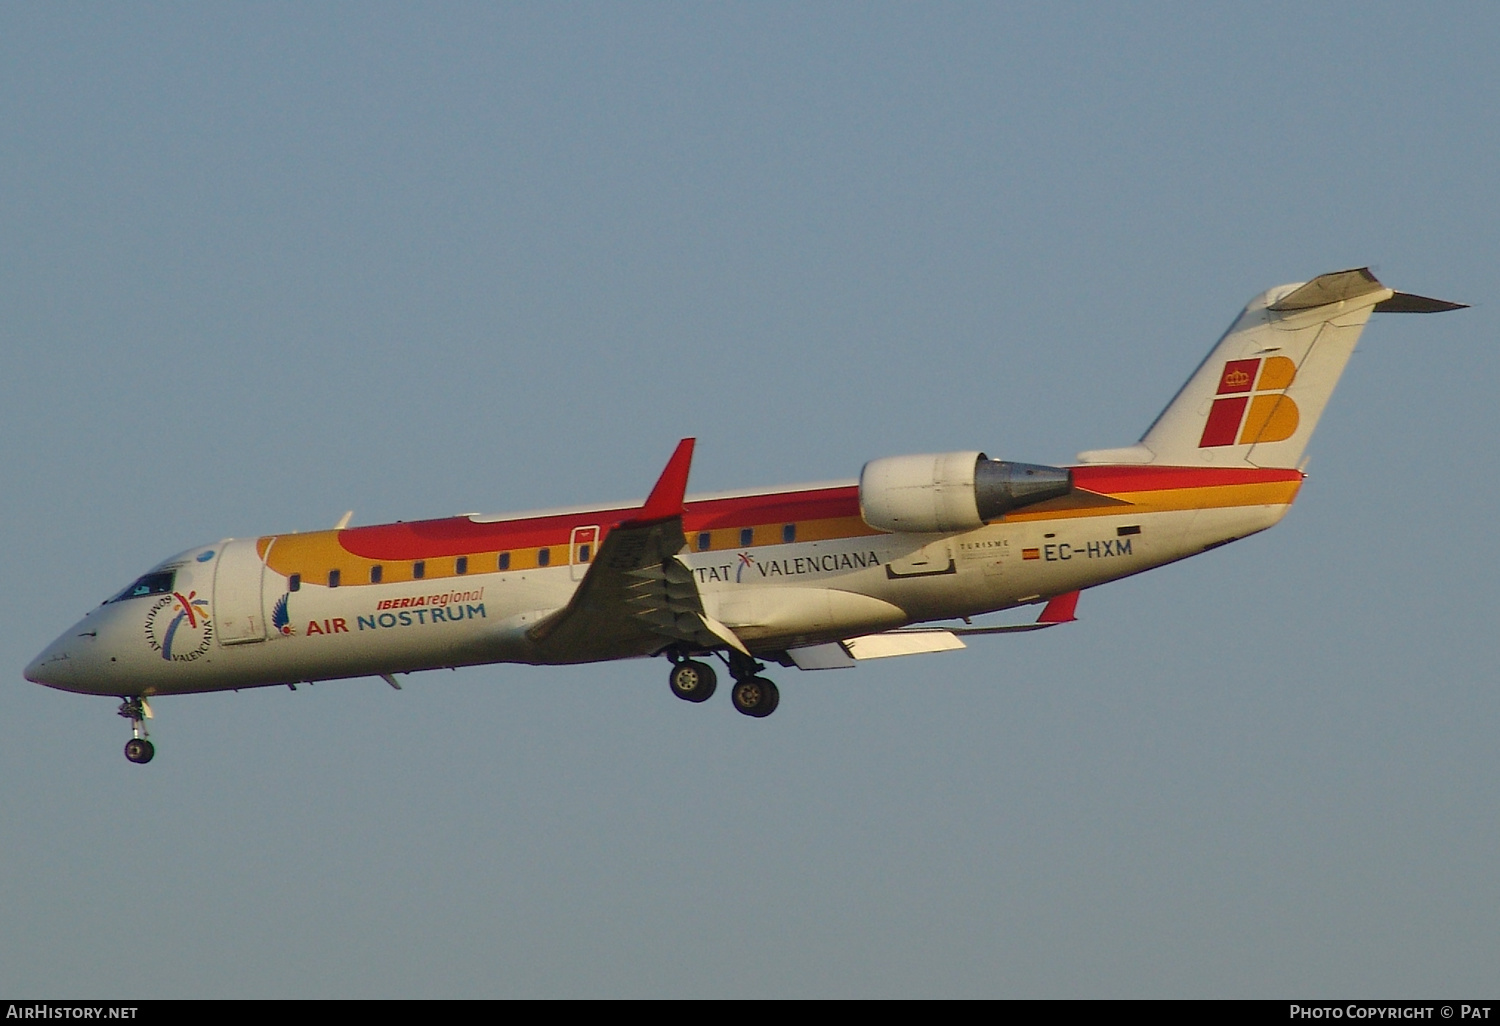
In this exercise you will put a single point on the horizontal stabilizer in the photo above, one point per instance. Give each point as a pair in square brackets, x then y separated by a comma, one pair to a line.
[1405, 302]
[1326, 289]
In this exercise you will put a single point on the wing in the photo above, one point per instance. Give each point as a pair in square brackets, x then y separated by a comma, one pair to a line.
[835, 655]
[638, 597]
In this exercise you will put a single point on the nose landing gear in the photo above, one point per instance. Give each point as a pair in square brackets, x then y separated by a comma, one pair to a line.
[139, 748]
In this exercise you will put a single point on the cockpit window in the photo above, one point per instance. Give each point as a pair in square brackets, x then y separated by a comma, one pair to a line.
[152, 584]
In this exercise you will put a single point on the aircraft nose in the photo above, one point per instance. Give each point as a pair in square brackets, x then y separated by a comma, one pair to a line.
[51, 667]
[64, 663]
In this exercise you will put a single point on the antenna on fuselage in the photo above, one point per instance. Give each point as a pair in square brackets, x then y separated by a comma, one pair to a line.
[344, 521]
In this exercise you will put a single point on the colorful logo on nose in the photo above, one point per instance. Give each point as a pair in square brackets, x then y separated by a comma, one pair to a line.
[1253, 405]
[178, 626]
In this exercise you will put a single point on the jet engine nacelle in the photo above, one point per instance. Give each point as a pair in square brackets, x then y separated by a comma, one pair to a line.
[951, 491]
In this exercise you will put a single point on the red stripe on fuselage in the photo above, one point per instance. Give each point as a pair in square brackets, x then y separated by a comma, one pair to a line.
[778, 507]
[1114, 480]
[456, 536]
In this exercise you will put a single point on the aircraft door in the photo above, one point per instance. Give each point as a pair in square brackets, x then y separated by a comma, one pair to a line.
[237, 609]
[582, 548]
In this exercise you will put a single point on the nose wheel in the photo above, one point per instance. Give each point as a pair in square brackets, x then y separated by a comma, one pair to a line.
[139, 748]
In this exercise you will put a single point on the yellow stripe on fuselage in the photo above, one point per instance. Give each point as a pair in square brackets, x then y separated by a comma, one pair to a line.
[315, 554]
[1166, 500]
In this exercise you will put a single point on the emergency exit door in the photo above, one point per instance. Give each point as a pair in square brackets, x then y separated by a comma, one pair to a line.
[582, 549]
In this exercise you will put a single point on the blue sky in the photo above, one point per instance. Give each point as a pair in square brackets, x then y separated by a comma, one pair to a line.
[266, 263]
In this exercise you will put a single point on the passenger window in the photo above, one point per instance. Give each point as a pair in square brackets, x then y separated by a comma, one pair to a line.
[789, 533]
[158, 583]
[294, 582]
[544, 557]
[376, 573]
[505, 561]
[704, 541]
[419, 570]
[747, 537]
[583, 553]
[333, 578]
[461, 565]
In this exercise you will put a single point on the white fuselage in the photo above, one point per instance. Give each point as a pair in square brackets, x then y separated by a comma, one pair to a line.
[774, 597]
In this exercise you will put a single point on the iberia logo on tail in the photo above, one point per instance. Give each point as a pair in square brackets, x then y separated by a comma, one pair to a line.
[1253, 405]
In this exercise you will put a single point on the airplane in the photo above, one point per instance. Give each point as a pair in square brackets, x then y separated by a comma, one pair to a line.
[815, 577]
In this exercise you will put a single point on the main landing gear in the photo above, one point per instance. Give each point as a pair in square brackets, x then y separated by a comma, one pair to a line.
[695, 681]
[139, 748]
[755, 696]
[692, 681]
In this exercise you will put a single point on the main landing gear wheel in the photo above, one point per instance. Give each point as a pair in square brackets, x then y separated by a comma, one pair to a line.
[693, 681]
[139, 750]
[755, 696]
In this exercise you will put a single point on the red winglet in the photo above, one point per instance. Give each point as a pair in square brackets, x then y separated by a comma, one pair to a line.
[666, 497]
[1060, 609]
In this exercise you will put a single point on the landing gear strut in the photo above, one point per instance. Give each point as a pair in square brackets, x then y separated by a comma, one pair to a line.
[139, 748]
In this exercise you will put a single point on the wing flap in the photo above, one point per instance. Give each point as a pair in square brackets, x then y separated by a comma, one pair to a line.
[827, 656]
[904, 642]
